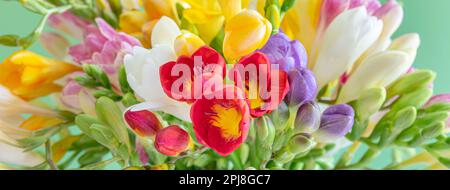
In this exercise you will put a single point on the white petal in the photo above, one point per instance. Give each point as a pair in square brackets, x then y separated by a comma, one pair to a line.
[347, 37]
[408, 43]
[178, 109]
[378, 70]
[17, 156]
[165, 32]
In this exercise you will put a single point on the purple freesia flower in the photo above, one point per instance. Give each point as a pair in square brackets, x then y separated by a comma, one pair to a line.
[284, 52]
[308, 118]
[335, 123]
[103, 46]
[303, 87]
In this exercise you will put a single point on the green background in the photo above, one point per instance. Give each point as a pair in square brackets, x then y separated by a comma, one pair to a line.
[429, 18]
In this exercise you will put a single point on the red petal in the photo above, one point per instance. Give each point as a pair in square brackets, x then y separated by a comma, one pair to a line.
[221, 124]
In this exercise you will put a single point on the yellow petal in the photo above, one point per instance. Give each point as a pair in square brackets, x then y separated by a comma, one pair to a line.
[60, 148]
[301, 21]
[244, 33]
[155, 9]
[230, 8]
[132, 21]
[187, 43]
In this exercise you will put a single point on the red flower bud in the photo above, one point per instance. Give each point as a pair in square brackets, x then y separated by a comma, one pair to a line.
[172, 141]
[143, 122]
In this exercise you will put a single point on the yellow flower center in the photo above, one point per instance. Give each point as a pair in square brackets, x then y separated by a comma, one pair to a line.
[228, 120]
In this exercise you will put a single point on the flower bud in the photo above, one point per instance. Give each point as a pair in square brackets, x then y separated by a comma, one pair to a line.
[439, 102]
[172, 140]
[410, 82]
[239, 34]
[265, 136]
[300, 143]
[417, 99]
[273, 15]
[434, 131]
[335, 123]
[55, 44]
[370, 102]
[402, 120]
[144, 122]
[308, 118]
[303, 87]
[187, 43]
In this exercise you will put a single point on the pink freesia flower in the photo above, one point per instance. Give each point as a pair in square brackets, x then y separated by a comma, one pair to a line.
[70, 24]
[70, 94]
[103, 46]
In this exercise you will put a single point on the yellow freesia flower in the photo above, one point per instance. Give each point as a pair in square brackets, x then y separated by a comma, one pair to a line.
[245, 33]
[207, 16]
[301, 22]
[35, 122]
[187, 43]
[60, 148]
[140, 25]
[230, 8]
[155, 9]
[29, 75]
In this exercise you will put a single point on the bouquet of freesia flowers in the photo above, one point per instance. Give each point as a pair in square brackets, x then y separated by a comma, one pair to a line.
[219, 84]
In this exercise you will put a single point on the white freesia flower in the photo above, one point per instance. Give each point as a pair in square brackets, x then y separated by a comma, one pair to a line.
[13, 155]
[346, 39]
[142, 68]
[381, 69]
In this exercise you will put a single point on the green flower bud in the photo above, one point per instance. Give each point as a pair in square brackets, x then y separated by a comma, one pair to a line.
[287, 4]
[265, 136]
[370, 102]
[300, 143]
[434, 131]
[97, 74]
[410, 82]
[438, 107]
[280, 116]
[416, 98]
[402, 120]
[429, 119]
[108, 112]
[273, 15]
[244, 152]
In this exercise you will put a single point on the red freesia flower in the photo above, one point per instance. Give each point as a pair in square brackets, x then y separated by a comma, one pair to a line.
[265, 87]
[221, 123]
[203, 65]
[172, 140]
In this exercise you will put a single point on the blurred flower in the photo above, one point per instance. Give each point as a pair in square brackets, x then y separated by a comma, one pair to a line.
[301, 21]
[187, 43]
[303, 87]
[441, 98]
[230, 8]
[70, 24]
[55, 44]
[143, 156]
[245, 33]
[142, 69]
[221, 124]
[308, 118]
[265, 87]
[352, 33]
[156, 9]
[207, 16]
[136, 24]
[104, 47]
[172, 140]
[144, 123]
[381, 69]
[284, 52]
[30, 76]
[208, 59]
[335, 123]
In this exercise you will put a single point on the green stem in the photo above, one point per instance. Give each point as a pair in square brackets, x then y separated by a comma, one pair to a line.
[49, 155]
[367, 158]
